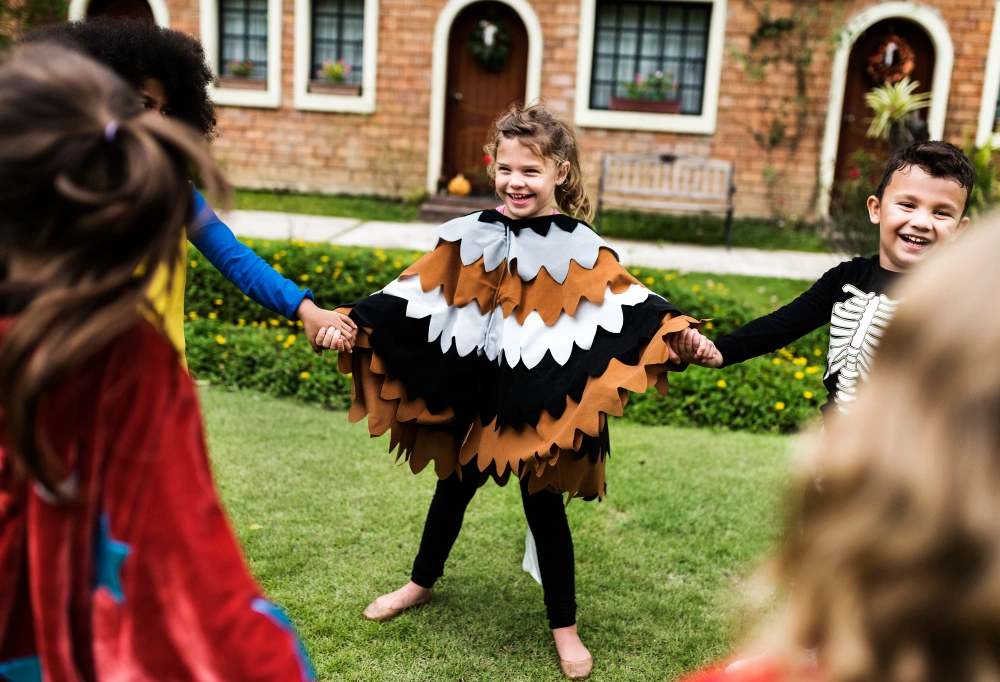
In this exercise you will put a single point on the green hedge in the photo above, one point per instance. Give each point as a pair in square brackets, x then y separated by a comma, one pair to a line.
[232, 341]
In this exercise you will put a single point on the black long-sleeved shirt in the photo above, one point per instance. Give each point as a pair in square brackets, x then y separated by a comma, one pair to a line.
[851, 297]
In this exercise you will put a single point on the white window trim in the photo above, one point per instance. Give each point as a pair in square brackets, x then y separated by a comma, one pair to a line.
[703, 124]
[944, 60]
[991, 87]
[161, 15]
[267, 99]
[439, 74]
[311, 101]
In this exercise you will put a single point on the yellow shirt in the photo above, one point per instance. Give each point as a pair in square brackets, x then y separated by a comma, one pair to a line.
[166, 294]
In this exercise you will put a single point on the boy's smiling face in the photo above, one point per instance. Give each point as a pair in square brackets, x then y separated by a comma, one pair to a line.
[917, 213]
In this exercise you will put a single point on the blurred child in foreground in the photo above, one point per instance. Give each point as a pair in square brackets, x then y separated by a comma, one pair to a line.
[895, 558]
[116, 558]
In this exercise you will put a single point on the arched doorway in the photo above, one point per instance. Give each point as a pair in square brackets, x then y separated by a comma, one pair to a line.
[856, 115]
[121, 9]
[475, 94]
[144, 10]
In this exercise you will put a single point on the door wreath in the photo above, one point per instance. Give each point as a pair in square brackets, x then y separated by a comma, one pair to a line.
[489, 45]
[892, 61]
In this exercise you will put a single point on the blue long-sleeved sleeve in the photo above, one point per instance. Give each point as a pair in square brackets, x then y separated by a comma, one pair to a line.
[239, 264]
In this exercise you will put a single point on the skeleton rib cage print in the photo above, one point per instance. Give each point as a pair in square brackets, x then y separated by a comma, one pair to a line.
[856, 327]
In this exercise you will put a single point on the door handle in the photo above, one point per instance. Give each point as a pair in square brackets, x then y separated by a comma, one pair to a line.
[457, 96]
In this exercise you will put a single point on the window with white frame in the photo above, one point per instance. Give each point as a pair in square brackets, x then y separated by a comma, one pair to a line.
[338, 38]
[673, 47]
[643, 41]
[243, 38]
[336, 48]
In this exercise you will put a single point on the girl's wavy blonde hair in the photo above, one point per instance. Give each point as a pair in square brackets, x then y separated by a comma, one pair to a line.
[553, 140]
[893, 554]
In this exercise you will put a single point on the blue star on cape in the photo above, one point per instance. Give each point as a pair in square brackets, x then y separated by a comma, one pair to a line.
[109, 554]
[27, 669]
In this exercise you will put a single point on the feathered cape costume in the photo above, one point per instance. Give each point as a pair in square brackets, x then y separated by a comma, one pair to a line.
[509, 343]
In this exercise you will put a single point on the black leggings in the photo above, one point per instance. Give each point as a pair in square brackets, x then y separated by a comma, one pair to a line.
[546, 517]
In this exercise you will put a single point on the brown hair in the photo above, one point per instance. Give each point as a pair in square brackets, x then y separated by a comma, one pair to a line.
[553, 140]
[95, 196]
[894, 553]
[937, 159]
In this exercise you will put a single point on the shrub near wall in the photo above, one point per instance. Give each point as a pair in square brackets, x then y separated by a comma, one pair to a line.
[232, 341]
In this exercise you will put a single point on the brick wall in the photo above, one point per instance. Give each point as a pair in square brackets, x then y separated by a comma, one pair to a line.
[386, 152]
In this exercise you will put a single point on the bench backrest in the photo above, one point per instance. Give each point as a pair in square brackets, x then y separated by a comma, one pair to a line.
[668, 178]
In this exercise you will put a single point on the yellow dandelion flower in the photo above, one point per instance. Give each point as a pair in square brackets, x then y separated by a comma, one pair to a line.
[777, 361]
[193, 315]
[289, 341]
[246, 298]
[304, 278]
[217, 301]
[670, 277]
[336, 274]
[812, 369]
[212, 315]
[277, 267]
[349, 280]
[298, 323]
[379, 252]
[289, 323]
[635, 271]
[325, 259]
[369, 278]
[799, 375]
[721, 383]
[695, 288]
[779, 406]
[194, 264]
[319, 268]
[800, 361]
[303, 375]
[649, 280]
[340, 264]
[279, 337]
[221, 340]
[254, 323]
[709, 325]
[241, 322]
[274, 322]
[817, 352]
[397, 264]
[277, 256]
[807, 395]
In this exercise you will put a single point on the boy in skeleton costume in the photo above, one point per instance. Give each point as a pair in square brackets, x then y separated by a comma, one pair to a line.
[920, 204]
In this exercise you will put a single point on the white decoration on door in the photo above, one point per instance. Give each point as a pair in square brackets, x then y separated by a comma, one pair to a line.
[856, 327]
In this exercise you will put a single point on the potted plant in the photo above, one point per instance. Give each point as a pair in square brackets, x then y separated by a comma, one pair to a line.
[895, 107]
[657, 92]
[240, 75]
[331, 79]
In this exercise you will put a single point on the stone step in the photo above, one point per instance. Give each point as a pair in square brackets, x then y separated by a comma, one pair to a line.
[442, 208]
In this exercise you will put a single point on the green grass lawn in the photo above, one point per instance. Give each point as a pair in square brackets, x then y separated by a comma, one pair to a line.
[758, 233]
[329, 522]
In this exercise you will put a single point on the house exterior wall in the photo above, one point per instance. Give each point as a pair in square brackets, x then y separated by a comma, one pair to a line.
[387, 151]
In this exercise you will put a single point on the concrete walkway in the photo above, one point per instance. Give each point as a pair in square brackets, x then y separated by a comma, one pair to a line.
[421, 237]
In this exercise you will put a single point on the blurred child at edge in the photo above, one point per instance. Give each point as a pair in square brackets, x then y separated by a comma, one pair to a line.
[116, 558]
[895, 560]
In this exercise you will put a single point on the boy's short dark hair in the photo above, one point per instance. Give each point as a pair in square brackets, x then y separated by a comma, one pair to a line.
[138, 51]
[937, 159]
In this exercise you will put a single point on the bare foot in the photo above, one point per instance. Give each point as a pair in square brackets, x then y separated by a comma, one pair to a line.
[569, 646]
[405, 597]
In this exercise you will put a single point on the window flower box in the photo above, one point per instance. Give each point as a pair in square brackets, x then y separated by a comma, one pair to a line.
[323, 87]
[652, 106]
[241, 83]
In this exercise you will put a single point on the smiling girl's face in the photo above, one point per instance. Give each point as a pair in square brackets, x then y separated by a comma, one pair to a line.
[525, 181]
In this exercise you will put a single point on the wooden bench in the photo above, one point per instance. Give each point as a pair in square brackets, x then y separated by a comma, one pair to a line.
[667, 181]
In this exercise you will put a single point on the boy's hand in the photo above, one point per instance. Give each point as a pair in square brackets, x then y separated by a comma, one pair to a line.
[316, 320]
[693, 347]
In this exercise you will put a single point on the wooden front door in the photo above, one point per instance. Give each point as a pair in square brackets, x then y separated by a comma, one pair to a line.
[476, 96]
[856, 116]
[121, 9]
